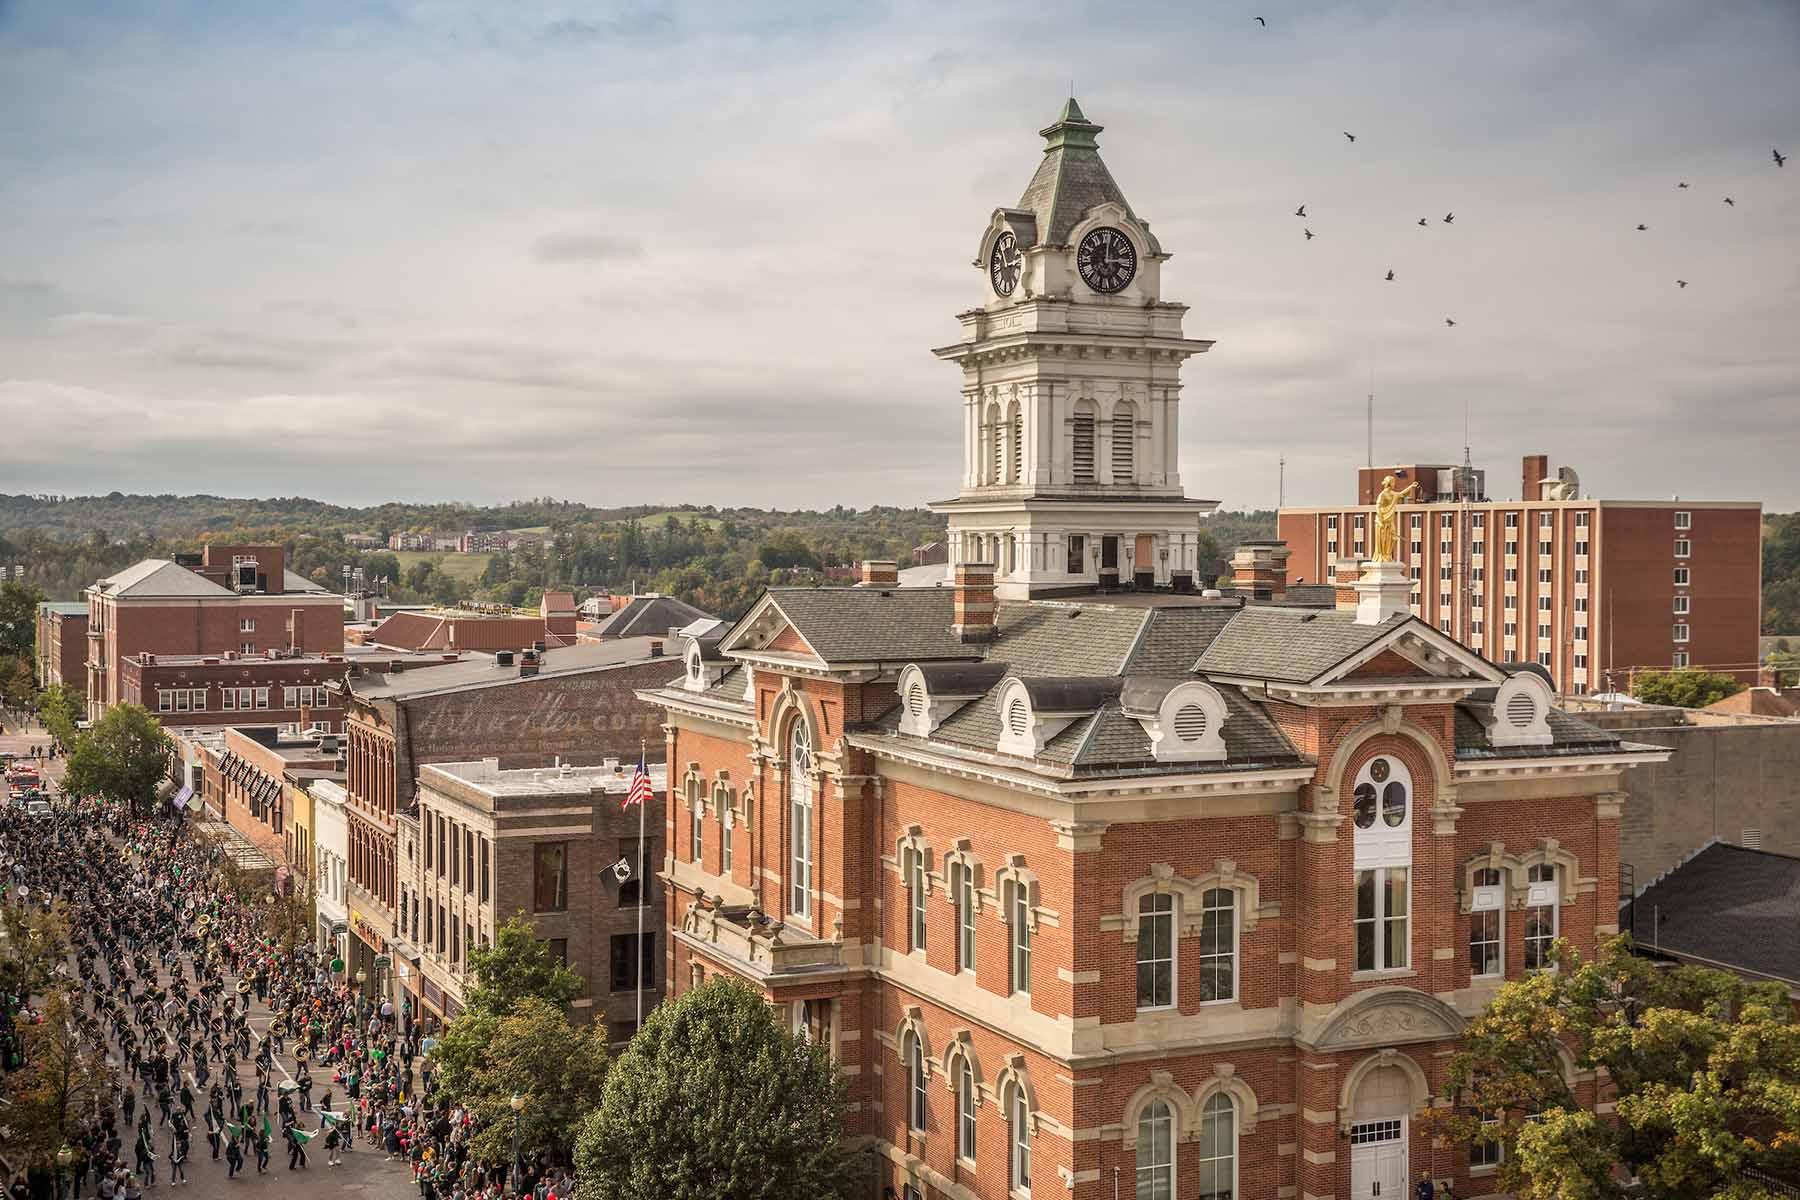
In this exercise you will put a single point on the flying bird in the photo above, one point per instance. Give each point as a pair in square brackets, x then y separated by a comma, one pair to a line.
[1301, 211]
[1422, 221]
[1450, 218]
[1682, 184]
[1780, 158]
[1349, 135]
[1731, 202]
[1681, 282]
[1262, 22]
[1390, 276]
[1308, 233]
[1449, 322]
[1641, 228]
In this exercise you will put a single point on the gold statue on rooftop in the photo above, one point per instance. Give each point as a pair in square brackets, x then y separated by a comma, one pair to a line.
[1387, 519]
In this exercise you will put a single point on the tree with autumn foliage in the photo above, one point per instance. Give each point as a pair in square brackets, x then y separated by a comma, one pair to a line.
[1704, 1067]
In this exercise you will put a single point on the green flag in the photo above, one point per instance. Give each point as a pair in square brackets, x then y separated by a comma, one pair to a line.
[267, 1132]
[326, 1116]
[301, 1136]
[233, 1130]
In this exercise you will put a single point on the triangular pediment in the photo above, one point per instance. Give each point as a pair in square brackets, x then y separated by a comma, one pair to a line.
[1413, 652]
[765, 629]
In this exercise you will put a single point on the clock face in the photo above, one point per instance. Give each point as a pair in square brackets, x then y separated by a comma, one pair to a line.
[1106, 259]
[1004, 263]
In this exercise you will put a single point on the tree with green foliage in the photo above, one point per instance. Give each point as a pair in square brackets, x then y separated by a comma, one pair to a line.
[18, 619]
[716, 1100]
[1683, 687]
[65, 1078]
[18, 684]
[36, 943]
[557, 1068]
[1706, 1067]
[517, 968]
[59, 707]
[124, 757]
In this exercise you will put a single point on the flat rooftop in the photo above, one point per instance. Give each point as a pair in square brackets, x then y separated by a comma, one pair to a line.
[486, 776]
[481, 669]
[349, 654]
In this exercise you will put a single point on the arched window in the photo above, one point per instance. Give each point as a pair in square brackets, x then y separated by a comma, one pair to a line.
[962, 891]
[1015, 427]
[1156, 1153]
[1124, 443]
[1218, 1149]
[1381, 810]
[965, 1109]
[800, 803]
[698, 809]
[727, 824]
[915, 1085]
[1081, 442]
[1018, 1135]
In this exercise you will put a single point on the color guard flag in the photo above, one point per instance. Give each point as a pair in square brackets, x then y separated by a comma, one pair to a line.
[641, 790]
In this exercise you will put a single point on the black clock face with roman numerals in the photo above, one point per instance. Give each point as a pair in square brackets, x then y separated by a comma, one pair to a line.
[1106, 259]
[1004, 263]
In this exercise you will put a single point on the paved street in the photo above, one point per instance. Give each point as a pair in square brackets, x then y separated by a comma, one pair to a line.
[364, 1171]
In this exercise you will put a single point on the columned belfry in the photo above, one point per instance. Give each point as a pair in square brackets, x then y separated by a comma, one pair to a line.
[1072, 391]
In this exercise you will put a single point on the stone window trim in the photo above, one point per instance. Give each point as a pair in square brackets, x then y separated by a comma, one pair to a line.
[719, 797]
[1013, 1075]
[1014, 871]
[911, 1026]
[1418, 1081]
[1189, 912]
[1189, 1110]
[961, 855]
[1514, 868]
[961, 1048]
[908, 845]
[1332, 796]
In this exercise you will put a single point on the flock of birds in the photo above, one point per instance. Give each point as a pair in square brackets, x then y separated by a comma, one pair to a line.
[1450, 217]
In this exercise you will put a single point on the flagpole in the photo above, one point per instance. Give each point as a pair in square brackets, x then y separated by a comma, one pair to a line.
[643, 894]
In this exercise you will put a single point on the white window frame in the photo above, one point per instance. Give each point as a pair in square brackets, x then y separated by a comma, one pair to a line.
[1155, 1156]
[290, 697]
[246, 624]
[1489, 899]
[727, 825]
[1018, 1135]
[1680, 659]
[1681, 576]
[962, 890]
[965, 1110]
[1680, 632]
[1683, 605]
[1381, 919]
[1684, 548]
[800, 815]
[1157, 912]
[262, 697]
[917, 1105]
[247, 648]
[1018, 938]
[916, 928]
[697, 833]
[1220, 1106]
[1215, 901]
[1537, 945]
[1684, 520]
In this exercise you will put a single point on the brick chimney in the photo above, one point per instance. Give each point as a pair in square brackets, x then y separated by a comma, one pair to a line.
[1259, 568]
[1535, 470]
[1344, 574]
[974, 602]
[880, 572]
[297, 631]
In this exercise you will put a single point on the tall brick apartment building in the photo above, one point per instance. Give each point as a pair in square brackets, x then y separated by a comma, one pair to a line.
[1591, 590]
[61, 645]
[1139, 894]
[236, 600]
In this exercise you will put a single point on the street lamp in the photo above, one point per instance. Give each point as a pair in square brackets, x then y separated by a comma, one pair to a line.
[518, 1106]
[64, 1157]
[362, 991]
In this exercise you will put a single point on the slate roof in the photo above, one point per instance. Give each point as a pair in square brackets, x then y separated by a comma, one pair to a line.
[649, 616]
[1734, 907]
[159, 577]
[482, 671]
[1289, 645]
[874, 625]
[1070, 179]
[291, 582]
[1572, 736]
[66, 608]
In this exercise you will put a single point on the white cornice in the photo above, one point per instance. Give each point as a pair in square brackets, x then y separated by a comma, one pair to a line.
[689, 704]
[1562, 764]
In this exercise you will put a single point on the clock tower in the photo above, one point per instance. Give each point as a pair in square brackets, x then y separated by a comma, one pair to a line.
[1071, 391]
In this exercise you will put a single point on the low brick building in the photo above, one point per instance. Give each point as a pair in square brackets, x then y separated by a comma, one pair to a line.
[577, 704]
[61, 646]
[199, 691]
[249, 779]
[541, 842]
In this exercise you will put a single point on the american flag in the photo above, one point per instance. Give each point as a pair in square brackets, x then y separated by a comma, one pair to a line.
[640, 785]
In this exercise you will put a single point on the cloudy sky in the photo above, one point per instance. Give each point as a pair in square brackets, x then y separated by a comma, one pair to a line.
[694, 252]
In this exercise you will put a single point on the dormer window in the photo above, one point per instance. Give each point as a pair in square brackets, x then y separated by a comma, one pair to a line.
[1520, 712]
[1184, 719]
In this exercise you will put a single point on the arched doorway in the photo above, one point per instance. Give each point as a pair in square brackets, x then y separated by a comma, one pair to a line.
[1378, 1135]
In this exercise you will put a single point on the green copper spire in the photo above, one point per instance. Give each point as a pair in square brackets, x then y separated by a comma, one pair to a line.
[1072, 129]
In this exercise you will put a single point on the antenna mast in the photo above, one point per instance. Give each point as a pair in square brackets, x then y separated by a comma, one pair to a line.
[1369, 418]
[1281, 484]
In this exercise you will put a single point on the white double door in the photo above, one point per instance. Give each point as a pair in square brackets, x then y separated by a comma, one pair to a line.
[1378, 1166]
